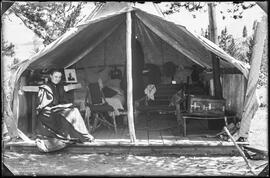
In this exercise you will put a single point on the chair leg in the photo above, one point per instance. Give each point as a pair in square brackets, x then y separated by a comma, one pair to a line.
[225, 120]
[87, 117]
[185, 127]
[178, 116]
[105, 122]
[114, 123]
[95, 122]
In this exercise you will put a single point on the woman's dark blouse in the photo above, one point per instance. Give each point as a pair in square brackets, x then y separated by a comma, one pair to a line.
[59, 94]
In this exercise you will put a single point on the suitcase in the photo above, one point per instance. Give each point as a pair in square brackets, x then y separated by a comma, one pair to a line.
[205, 105]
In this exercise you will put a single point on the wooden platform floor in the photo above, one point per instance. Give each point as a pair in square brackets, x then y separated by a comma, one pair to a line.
[155, 134]
[160, 128]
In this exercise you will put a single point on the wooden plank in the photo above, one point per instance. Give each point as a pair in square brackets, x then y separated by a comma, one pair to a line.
[142, 134]
[66, 87]
[154, 135]
[34, 115]
[147, 129]
[233, 92]
[125, 133]
[143, 142]
[72, 86]
[168, 142]
[109, 142]
[127, 142]
[162, 150]
[120, 133]
[108, 133]
[155, 138]
[109, 146]
[167, 136]
[103, 132]
[30, 88]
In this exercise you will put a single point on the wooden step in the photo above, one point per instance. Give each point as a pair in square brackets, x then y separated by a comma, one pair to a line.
[119, 146]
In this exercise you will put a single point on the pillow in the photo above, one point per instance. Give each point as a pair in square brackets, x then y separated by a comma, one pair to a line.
[108, 92]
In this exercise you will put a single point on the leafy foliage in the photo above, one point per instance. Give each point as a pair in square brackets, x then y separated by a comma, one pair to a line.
[190, 6]
[241, 49]
[48, 20]
[7, 49]
[235, 11]
[263, 78]
[227, 42]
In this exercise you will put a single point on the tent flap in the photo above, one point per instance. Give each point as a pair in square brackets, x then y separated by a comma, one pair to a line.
[72, 49]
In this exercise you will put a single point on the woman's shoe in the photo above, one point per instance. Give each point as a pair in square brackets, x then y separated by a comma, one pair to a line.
[89, 138]
[241, 139]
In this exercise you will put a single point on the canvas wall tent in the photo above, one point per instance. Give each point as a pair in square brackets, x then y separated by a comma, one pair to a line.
[101, 41]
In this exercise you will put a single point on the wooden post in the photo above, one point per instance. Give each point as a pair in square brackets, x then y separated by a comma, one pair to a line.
[215, 60]
[34, 116]
[250, 103]
[129, 78]
[239, 149]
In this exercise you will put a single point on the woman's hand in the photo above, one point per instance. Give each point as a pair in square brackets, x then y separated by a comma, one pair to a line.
[48, 108]
[62, 105]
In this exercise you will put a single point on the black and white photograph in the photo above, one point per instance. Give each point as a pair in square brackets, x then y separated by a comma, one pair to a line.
[134, 88]
[70, 75]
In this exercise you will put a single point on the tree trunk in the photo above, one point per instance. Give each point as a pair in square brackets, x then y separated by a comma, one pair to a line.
[214, 124]
[215, 60]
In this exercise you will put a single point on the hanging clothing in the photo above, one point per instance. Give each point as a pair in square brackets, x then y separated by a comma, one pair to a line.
[150, 91]
[58, 118]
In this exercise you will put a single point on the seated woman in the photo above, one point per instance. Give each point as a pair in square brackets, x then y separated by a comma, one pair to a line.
[58, 118]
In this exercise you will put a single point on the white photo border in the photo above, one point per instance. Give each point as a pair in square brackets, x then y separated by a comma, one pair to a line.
[70, 75]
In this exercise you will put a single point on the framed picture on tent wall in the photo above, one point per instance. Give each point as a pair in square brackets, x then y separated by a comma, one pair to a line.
[70, 75]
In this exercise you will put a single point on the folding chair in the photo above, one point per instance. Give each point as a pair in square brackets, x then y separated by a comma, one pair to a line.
[98, 109]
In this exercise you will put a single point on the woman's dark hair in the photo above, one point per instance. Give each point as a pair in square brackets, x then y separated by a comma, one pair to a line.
[52, 71]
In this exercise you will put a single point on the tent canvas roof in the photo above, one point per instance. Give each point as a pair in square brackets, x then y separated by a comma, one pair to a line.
[101, 41]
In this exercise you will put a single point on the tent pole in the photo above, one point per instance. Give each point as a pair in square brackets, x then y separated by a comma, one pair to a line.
[129, 78]
[215, 60]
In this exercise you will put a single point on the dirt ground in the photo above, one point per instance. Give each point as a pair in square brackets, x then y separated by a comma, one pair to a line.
[100, 164]
[258, 134]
